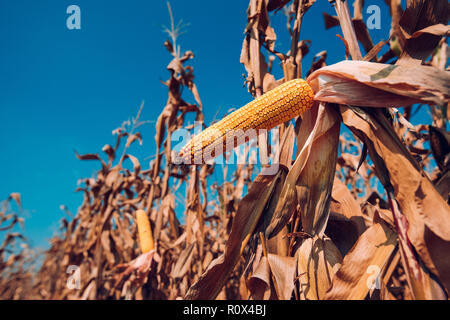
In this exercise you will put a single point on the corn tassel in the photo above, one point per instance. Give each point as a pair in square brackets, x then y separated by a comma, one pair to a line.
[276, 106]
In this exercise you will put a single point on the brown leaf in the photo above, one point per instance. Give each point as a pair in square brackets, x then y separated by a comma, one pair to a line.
[419, 15]
[362, 34]
[346, 222]
[283, 271]
[259, 281]
[380, 85]
[421, 284]
[135, 161]
[113, 176]
[423, 207]
[110, 152]
[90, 156]
[184, 262]
[346, 205]
[437, 29]
[308, 181]
[16, 197]
[363, 263]
[272, 271]
[330, 21]
[249, 212]
[440, 147]
[348, 29]
[285, 159]
[314, 184]
[318, 260]
[141, 266]
[374, 51]
[133, 137]
[276, 4]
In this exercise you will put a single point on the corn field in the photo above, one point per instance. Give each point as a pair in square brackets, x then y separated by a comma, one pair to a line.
[358, 207]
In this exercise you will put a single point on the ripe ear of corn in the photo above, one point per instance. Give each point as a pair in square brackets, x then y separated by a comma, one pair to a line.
[276, 106]
[144, 231]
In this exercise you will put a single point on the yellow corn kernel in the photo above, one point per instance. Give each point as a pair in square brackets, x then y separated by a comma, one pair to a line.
[276, 106]
[144, 231]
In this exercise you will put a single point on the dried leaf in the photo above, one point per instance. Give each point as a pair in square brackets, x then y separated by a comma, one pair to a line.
[437, 29]
[419, 201]
[16, 197]
[379, 85]
[361, 266]
[345, 204]
[307, 176]
[259, 281]
[283, 271]
[184, 262]
[244, 223]
[318, 260]
[419, 15]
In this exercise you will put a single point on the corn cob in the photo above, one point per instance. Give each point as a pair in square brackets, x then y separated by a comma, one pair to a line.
[144, 231]
[276, 106]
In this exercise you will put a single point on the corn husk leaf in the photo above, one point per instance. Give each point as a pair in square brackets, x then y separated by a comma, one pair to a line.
[272, 271]
[345, 204]
[283, 271]
[355, 277]
[424, 208]
[418, 16]
[247, 217]
[259, 281]
[309, 181]
[373, 84]
[184, 262]
[318, 260]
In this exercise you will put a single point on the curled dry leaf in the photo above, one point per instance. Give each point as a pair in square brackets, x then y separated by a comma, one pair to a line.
[283, 271]
[184, 262]
[424, 208]
[371, 84]
[308, 181]
[437, 29]
[258, 282]
[315, 182]
[248, 214]
[419, 15]
[345, 204]
[141, 266]
[16, 197]
[361, 266]
[273, 271]
[318, 260]
[346, 222]
[421, 284]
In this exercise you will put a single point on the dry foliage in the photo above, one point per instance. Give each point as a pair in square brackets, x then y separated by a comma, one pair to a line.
[322, 227]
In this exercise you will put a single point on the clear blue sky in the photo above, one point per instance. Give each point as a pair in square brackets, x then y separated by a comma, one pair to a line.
[63, 90]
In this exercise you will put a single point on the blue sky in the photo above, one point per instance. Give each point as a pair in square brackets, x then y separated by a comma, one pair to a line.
[63, 90]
